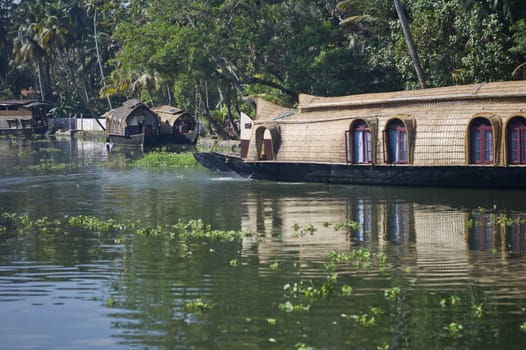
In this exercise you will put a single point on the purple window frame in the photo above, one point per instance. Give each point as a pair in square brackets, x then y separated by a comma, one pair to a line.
[397, 143]
[481, 142]
[361, 130]
[517, 141]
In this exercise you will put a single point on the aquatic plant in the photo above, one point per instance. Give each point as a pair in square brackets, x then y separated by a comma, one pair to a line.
[363, 320]
[309, 291]
[193, 229]
[454, 330]
[523, 327]
[452, 300]
[164, 160]
[8, 218]
[289, 307]
[392, 294]
[196, 305]
[272, 321]
[478, 310]
[361, 258]
[94, 223]
[346, 290]
[49, 164]
[302, 346]
[348, 226]
[274, 265]
[301, 231]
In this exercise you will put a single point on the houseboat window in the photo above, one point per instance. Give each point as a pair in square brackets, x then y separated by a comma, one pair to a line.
[397, 148]
[361, 143]
[517, 141]
[481, 141]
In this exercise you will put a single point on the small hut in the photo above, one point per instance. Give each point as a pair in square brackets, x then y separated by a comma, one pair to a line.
[176, 125]
[132, 124]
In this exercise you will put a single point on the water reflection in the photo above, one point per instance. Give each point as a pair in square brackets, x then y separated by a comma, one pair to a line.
[309, 220]
[496, 231]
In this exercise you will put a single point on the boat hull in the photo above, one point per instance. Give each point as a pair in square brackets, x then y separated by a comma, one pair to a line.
[179, 138]
[127, 141]
[425, 176]
[38, 130]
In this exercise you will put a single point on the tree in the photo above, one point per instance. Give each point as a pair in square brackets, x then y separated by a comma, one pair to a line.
[410, 44]
[28, 49]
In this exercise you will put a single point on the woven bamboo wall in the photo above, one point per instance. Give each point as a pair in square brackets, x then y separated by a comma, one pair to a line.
[442, 116]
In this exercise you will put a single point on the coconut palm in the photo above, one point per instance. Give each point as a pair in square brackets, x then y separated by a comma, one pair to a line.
[410, 44]
[28, 49]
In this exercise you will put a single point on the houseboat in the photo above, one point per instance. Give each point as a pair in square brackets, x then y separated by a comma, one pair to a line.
[458, 136]
[176, 125]
[23, 117]
[132, 125]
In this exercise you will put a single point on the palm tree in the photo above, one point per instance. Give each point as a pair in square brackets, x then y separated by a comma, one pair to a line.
[94, 6]
[410, 44]
[28, 49]
[54, 37]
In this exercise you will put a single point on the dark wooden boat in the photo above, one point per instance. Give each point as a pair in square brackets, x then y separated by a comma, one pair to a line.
[429, 176]
[176, 126]
[136, 140]
[23, 117]
[459, 136]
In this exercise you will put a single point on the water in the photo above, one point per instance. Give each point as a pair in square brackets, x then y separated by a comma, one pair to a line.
[453, 274]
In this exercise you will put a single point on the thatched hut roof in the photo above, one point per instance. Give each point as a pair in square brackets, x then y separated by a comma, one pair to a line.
[269, 111]
[169, 113]
[29, 104]
[121, 113]
[509, 89]
[117, 119]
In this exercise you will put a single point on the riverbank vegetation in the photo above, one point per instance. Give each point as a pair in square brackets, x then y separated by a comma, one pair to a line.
[215, 58]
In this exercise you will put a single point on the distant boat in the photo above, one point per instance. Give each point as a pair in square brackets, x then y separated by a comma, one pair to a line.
[176, 125]
[132, 125]
[23, 117]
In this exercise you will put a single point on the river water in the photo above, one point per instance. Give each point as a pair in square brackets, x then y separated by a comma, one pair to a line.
[325, 266]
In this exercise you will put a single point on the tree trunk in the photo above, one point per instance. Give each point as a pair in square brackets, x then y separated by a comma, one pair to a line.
[43, 93]
[211, 120]
[410, 44]
[84, 101]
[98, 53]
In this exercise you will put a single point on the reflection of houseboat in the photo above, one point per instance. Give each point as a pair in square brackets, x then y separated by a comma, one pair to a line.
[176, 125]
[132, 124]
[470, 135]
[23, 117]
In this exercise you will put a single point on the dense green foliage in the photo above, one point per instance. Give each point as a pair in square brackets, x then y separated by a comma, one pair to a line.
[215, 57]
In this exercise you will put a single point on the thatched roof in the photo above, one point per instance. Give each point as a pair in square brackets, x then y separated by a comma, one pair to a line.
[507, 89]
[169, 113]
[23, 103]
[269, 111]
[123, 112]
